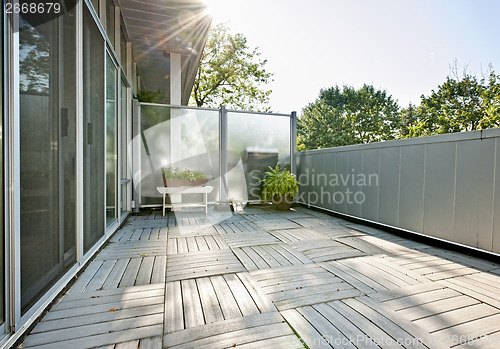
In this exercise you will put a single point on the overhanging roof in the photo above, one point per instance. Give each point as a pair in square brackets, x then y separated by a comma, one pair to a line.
[160, 27]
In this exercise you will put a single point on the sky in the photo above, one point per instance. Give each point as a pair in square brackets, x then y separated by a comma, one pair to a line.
[405, 47]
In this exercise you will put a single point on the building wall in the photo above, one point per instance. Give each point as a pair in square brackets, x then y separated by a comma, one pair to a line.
[444, 186]
[67, 103]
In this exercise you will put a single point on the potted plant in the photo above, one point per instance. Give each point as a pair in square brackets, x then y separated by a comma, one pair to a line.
[173, 177]
[280, 186]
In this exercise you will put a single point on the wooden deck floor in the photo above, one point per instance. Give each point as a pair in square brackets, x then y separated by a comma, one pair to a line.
[261, 278]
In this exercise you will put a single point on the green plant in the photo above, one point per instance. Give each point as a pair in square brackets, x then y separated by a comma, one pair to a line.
[189, 175]
[150, 96]
[279, 182]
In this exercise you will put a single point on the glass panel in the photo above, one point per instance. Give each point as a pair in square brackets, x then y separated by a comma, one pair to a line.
[255, 141]
[93, 151]
[198, 148]
[154, 151]
[111, 141]
[110, 21]
[123, 50]
[124, 131]
[2, 213]
[47, 154]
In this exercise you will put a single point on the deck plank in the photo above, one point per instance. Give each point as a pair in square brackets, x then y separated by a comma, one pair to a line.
[174, 313]
[116, 274]
[193, 312]
[211, 308]
[228, 304]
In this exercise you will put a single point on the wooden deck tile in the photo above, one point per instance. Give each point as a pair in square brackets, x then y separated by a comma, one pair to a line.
[268, 256]
[325, 250]
[277, 224]
[335, 232]
[238, 227]
[101, 318]
[196, 243]
[433, 267]
[290, 287]
[133, 249]
[262, 330]
[190, 265]
[314, 222]
[295, 235]
[249, 239]
[201, 301]
[442, 311]
[352, 323]
[482, 286]
[191, 230]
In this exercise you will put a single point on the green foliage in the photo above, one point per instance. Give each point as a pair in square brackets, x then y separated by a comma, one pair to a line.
[174, 173]
[151, 96]
[231, 73]
[343, 116]
[279, 182]
[460, 104]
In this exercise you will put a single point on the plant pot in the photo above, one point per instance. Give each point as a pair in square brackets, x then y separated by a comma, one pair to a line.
[184, 182]
[283, 202]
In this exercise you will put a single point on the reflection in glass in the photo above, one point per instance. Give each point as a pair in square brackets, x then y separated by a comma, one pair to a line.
[111, 141]
[93, 150]
[47, 154]
[256, 141]
[154, 140]
[198, 148]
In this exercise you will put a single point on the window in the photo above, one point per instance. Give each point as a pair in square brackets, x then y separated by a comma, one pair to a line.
[124, 132]
[47, 86]
[123, 50]
[93, 146]
[111, 141]
[110, 21]
[2, 212]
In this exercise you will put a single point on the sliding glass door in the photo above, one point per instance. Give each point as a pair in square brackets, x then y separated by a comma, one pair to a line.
[2, 197]
[93, 137]
[47, 84]
[111, 141]
[124, 132]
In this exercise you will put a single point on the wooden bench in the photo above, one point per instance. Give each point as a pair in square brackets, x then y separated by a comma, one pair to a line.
[185, 190]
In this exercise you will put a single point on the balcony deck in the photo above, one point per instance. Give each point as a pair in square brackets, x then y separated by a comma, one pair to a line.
[262, 278]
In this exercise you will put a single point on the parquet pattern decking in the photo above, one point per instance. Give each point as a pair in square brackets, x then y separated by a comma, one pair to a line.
[261, 278]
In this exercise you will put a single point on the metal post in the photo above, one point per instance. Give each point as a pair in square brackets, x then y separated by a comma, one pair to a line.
[223, 192]
[293, 143]
[136, 155]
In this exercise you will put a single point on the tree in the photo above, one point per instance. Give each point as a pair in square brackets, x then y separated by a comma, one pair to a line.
[231, 73]
[462, 103]
[343, 116]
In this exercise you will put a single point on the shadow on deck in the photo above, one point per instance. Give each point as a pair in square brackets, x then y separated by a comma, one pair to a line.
[262, 278]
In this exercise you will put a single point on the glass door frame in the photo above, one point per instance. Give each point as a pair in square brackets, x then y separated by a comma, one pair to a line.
[109, 56]
[123, 178]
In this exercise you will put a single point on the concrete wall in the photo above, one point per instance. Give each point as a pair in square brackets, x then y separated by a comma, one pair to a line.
[445, 186]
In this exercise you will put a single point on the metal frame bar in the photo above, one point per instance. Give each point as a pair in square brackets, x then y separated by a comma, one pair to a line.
[256, 112]
[14, 178]
[79, 134]
[293, 143]
[223, 146]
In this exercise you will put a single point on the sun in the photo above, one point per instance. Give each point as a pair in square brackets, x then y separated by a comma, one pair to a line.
[220, 10]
